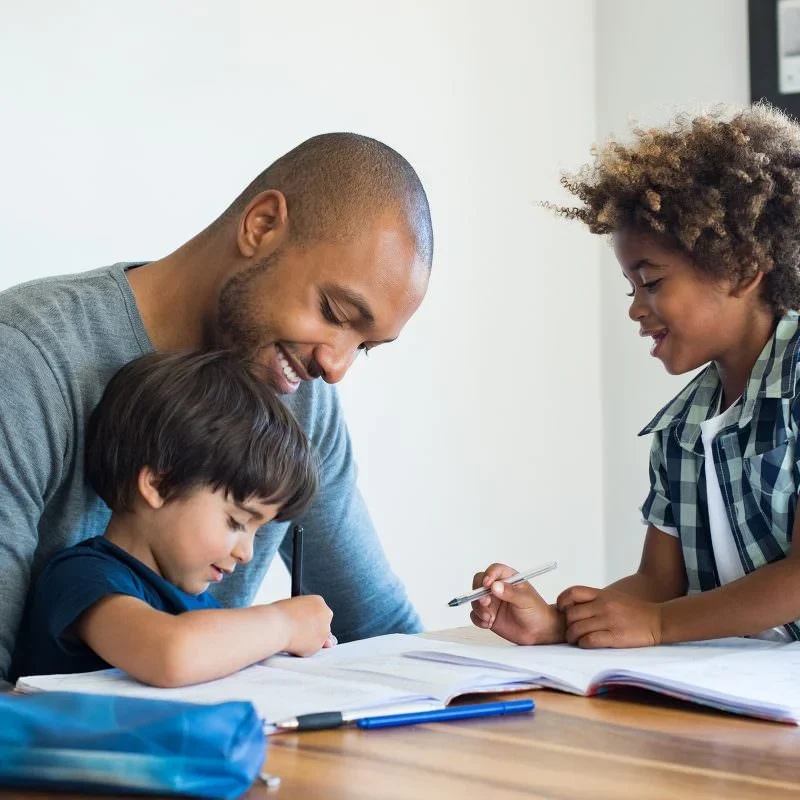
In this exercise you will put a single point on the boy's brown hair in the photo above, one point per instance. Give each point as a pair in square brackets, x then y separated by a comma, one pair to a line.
[197, 419]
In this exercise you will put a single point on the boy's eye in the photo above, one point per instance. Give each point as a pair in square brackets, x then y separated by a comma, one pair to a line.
[649, 285]
[235, 525]
[327, 312]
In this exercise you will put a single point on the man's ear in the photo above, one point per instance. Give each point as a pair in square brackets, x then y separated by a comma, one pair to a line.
[147, 483]
[263, 225]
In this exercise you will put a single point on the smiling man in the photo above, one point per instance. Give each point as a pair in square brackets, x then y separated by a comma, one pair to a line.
[325, 254]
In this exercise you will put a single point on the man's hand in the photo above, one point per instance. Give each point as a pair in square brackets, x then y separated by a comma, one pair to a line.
[517, 613]
[608, 618]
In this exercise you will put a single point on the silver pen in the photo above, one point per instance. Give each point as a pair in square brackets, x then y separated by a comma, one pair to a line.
[518, 578]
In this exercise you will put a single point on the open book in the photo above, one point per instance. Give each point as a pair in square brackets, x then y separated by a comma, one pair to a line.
[744, 676]
[372, 676]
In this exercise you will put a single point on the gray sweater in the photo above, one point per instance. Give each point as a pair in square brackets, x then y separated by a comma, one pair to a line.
[61, 340]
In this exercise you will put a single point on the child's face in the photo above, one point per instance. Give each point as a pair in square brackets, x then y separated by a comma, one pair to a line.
[691, 318]
[205, 536]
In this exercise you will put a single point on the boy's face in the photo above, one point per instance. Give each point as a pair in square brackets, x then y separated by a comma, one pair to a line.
[201, 538]
[691, 318]
[305, 313]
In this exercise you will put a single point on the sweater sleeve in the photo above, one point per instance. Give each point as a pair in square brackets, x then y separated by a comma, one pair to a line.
[343, 557]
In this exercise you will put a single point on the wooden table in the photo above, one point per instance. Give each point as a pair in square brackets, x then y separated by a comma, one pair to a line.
[624, 745]
[627, 745]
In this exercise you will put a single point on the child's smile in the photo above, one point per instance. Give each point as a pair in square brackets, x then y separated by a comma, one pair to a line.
[658, 335]
[692, 317]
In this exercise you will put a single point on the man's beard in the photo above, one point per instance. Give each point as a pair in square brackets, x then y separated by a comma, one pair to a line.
[236, 327]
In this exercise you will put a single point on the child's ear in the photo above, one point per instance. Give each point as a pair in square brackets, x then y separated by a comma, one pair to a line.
[148, 488]
[747, 286]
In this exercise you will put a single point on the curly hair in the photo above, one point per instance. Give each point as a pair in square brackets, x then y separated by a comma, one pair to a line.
[724, 191]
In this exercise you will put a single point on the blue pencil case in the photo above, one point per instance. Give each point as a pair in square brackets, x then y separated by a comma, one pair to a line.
[97, 743]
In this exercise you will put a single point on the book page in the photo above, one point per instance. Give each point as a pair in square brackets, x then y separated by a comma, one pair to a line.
[570, 668]
[276, 694]
[366, 674]
[382, 660]
[760, 681]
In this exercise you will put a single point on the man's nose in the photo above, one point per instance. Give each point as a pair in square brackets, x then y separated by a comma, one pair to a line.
[334, 361]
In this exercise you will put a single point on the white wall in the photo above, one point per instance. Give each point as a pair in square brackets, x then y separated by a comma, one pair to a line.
[128, 127]
[653, 59]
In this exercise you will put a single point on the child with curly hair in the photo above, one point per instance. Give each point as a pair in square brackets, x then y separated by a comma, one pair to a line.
[704, 216]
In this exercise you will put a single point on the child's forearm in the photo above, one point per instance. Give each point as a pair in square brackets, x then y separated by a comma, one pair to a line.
[644, 587]
[211, 643]
[661, 575]
[768, 597]
[168, 651]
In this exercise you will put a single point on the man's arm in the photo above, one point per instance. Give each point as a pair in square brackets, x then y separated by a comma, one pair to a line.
[343, 558]
[169, 650]
[34, 437]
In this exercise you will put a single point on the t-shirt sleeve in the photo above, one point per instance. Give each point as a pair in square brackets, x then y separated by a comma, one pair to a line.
[73, 583]
[657, 507]
[35, 431]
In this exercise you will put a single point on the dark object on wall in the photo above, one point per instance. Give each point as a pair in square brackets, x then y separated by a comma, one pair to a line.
[775, 52]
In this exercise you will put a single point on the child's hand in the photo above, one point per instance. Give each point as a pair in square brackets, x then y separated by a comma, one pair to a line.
[517, 613]
[608, 618]
[308, 621]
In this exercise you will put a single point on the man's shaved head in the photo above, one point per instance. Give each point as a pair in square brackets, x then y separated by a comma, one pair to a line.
[337, 183]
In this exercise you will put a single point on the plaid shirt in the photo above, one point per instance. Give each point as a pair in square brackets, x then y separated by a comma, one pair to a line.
[754, 457]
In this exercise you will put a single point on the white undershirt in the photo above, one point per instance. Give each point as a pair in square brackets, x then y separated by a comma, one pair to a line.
[729, 565]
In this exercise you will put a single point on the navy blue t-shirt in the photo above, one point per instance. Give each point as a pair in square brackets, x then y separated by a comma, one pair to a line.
[72, 581]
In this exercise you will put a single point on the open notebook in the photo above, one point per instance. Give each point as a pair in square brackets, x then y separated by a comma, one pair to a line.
[744, 676]
[372, 676]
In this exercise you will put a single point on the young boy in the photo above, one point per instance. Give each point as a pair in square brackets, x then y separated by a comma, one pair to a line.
[704, 215]
[193, 454]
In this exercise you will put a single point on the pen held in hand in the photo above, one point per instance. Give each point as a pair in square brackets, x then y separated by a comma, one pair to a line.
[514, 579]
[297, 561]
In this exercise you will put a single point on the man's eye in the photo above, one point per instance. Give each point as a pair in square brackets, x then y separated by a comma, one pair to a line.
[235, 525]
[365, 348]
[651, 285]
[327, 312]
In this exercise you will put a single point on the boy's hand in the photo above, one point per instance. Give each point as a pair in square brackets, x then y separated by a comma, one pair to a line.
[517, 613]
[308, 621]
[608, 618]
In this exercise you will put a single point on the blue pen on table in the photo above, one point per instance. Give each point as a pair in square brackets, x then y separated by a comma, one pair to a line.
[453, 712]
[336, 719]
[519, 577]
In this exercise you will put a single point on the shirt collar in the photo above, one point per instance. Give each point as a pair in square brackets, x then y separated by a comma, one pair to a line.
[772, 376]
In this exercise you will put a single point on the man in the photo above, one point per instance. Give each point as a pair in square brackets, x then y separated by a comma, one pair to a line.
[325, 254]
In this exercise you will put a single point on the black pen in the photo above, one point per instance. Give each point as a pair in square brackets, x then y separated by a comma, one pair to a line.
[297, 561]
[323, 721]
[327, 720]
